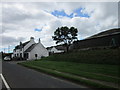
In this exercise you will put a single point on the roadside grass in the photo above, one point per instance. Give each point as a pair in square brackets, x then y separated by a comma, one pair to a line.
[77, 68]
[88, 83]
[80, 69]
[101, 65]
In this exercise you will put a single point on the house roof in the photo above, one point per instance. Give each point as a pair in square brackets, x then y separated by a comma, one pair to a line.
[58, 47]
[31, 47]
[105, 33]
[102, 34]
[49, 48]
[23, 44]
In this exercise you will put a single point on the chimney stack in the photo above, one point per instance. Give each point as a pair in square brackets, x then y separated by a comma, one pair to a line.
[32, 39]
[39, 40]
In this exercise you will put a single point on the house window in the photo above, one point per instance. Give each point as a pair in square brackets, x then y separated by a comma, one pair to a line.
[15, 55]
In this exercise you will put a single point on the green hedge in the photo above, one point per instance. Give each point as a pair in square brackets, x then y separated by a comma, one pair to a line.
[104, 56]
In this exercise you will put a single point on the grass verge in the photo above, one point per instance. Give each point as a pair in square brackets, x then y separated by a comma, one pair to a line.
[92, 71]
[68, 77]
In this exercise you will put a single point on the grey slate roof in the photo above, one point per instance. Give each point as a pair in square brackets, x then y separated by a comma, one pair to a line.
[31, 47]
[58, 47]
[105, 33]
[23, 44]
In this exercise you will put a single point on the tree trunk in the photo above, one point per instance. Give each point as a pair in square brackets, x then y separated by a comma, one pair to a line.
[67, 48]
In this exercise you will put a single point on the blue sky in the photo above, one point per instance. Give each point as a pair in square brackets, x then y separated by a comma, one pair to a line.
[78, 13]
[38, 29]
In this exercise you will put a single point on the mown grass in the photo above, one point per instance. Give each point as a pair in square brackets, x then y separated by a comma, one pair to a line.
[88, 83]
[92, 71]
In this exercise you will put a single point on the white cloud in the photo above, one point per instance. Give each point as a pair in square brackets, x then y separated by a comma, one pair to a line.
[6, 40]
[20, 19]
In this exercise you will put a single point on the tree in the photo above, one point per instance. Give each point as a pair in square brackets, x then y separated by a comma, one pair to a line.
[65, 35]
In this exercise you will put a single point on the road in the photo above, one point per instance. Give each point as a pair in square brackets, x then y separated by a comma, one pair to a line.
[21, 77]
[0, 83]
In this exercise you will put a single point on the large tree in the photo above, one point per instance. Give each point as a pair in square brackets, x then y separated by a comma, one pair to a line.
[65, 35]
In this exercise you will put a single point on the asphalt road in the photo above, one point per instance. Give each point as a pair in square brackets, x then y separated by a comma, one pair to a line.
[3, 85]
[0, 83]
[21, 77]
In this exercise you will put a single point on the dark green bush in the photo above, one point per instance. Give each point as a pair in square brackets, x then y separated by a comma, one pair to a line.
[103, 56]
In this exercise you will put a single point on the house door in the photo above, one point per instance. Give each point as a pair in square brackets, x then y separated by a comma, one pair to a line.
[26, 55]
[20, 56]
[36, 56]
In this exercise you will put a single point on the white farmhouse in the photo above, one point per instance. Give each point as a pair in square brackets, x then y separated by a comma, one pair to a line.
[30, 50]
[56, 49]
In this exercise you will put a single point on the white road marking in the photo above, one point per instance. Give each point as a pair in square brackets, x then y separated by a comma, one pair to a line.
[6, 84]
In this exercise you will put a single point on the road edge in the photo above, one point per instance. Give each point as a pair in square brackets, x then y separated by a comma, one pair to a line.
[5, 82]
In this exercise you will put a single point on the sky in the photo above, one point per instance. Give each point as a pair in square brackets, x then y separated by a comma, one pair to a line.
[22, 20]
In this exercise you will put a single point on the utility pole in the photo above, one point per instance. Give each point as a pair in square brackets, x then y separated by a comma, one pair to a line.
[8, 48]
[4, 50]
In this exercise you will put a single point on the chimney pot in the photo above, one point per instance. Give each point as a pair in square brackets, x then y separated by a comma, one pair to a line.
[32, 38]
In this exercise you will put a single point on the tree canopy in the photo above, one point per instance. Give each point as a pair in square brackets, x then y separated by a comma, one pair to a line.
[65, 35]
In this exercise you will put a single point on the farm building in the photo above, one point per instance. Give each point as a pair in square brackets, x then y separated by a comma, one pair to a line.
[56, 49]
[109, 38]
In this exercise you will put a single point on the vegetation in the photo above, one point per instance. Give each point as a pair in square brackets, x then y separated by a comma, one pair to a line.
[86, 70]
[84, 67]
[65, 35]
[104, 56]
[69, 69]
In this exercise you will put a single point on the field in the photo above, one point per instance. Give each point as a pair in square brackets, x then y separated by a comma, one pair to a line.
[86, 71]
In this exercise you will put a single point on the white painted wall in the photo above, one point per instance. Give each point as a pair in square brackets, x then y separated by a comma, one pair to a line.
[21, 52]
[16, 52]
[29, 54]
[40, 50]
[54, 50]
[12, 55]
